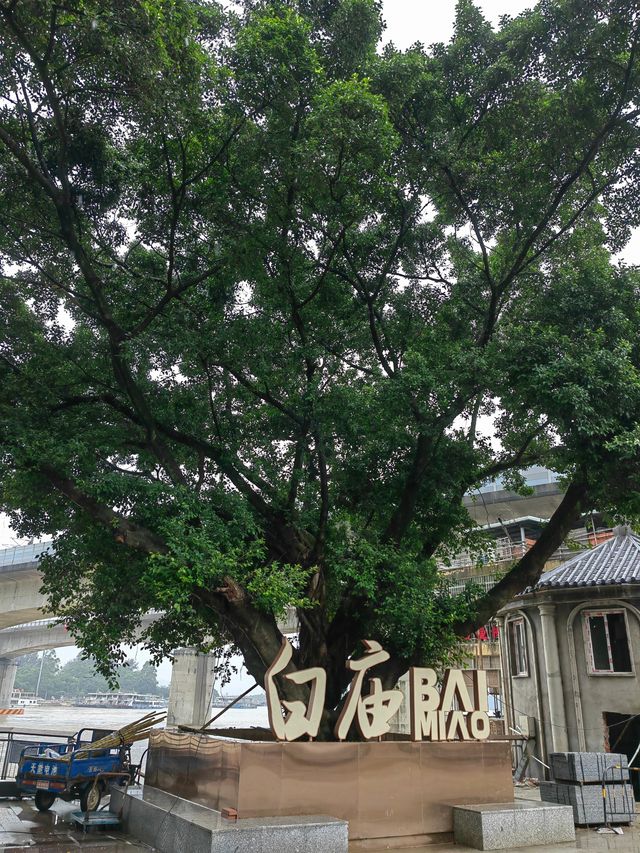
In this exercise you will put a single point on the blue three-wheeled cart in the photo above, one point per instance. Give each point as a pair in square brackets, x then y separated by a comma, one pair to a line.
[72, 771]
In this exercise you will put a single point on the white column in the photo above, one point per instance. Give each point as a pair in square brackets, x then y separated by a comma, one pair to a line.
[192, 677]
[505, 681]
[8, 669]
[553, 676]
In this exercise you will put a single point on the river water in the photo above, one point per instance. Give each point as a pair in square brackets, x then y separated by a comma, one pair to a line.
[67, 720]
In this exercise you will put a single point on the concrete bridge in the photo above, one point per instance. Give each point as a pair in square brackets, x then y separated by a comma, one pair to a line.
[20, 581]
[31, 637]
[25, 627]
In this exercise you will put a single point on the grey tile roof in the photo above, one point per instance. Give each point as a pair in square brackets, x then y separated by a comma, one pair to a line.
[616, 561]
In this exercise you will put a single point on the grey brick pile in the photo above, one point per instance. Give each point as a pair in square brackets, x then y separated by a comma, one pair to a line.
[578, 782]
[587, 803]
[588, 766]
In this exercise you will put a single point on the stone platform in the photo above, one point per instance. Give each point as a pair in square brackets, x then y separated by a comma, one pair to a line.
[169, 824]
[505, 826]
[395, 793]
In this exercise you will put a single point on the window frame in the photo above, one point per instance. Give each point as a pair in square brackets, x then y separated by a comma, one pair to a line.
[588, 644]
[518, 624]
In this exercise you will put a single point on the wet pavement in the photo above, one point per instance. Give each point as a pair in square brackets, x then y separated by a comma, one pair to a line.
[23, 827]
[586, 839]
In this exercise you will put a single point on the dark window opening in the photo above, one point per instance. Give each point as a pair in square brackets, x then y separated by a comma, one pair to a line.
[620, 656]
[622, 735]
[607, 642]
[518, 647]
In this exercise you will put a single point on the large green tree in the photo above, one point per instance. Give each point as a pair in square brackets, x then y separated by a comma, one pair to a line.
[262, 284]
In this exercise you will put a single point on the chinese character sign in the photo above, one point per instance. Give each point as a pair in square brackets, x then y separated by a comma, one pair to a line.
[298, 720]
[373, 712]
[438, 712]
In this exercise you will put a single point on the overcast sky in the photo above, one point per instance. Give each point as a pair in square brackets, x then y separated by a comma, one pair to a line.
[429, 21]
[408, 21]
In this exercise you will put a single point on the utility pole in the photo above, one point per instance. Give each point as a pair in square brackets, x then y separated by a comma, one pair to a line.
[40, 673]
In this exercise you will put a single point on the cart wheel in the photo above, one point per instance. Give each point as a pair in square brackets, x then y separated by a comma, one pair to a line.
[90, 797]
[44, 800]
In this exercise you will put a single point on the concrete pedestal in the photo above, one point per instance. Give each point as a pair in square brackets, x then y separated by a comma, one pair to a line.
[173, 825]
[192, 677]
[503, 826]
[400, 793]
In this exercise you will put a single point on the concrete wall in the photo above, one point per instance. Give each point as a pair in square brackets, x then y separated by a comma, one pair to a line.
[574, 720]
[589, 696]
[525, 696]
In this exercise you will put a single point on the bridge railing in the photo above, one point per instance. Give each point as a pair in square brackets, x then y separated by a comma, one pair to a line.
[36, 623]
[20, 555]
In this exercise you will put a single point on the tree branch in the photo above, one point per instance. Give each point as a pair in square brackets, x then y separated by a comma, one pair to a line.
[124, 531]
[527, 571]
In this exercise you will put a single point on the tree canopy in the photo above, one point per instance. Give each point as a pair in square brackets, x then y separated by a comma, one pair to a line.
[262, 285]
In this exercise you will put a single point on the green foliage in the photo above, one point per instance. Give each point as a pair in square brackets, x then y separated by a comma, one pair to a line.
[28, 673]
[262, 286]
[78, 677]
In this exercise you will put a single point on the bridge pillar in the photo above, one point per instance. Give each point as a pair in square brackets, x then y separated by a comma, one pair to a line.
[191, 686]
[8, 669]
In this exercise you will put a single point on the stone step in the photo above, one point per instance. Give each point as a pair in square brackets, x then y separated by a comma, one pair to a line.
[503, 826]
[170, 824]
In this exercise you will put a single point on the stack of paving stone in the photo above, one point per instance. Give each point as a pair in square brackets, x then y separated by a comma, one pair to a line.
[579, 777]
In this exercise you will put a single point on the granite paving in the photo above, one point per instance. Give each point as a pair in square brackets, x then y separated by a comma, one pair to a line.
[585, 840]
[23, 827]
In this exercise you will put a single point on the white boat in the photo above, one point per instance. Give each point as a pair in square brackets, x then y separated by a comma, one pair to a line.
[122, 700]
[24, 699]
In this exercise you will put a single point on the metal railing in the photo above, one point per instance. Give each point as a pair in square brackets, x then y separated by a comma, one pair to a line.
[503, 551]
[13, 742]
[37, 623]
[485, 582]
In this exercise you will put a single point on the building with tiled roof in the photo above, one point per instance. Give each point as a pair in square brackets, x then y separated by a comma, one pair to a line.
[570, 648]
[616, 561]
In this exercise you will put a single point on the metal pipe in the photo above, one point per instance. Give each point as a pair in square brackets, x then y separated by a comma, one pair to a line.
[224, 710]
